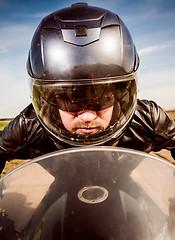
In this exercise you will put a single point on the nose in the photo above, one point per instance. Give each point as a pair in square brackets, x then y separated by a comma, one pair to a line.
[87, 116]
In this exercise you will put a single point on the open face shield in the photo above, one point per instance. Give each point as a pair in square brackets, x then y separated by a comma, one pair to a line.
[58, 104]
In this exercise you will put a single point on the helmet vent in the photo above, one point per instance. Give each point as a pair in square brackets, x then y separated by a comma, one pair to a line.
[81, 31]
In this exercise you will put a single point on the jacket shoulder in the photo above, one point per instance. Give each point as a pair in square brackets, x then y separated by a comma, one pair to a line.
[162, 123]
[151, 129]
[143, 116]
[21, 129]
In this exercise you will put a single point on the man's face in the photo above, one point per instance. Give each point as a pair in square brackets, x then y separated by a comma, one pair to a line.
[87, 121]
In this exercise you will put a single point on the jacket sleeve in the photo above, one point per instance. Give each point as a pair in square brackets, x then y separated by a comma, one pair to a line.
[24, 138]
[13, 140]
[164, 127]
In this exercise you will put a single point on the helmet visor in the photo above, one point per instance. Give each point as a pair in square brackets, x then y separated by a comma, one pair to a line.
[82, 97]
[58, 105]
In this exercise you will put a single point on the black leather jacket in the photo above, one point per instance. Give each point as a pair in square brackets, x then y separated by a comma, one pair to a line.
[151, 129]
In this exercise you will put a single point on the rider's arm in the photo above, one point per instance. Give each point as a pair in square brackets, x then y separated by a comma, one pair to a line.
[164, 128]
[151, 129]
[23, 138]
[12, 140]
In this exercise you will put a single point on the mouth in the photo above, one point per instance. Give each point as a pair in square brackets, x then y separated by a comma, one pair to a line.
[86, 130]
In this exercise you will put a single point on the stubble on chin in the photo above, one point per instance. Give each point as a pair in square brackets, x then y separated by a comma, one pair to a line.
[87, 128]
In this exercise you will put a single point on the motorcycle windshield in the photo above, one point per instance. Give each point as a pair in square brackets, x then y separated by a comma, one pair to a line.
[89, 193]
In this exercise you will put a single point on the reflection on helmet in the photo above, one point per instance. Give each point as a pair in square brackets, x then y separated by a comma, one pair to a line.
[83, 58]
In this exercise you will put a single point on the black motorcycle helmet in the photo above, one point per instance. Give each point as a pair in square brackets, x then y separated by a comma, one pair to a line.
[82, 58]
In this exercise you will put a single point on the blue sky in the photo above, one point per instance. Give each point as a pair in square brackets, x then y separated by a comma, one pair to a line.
[151, 23]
